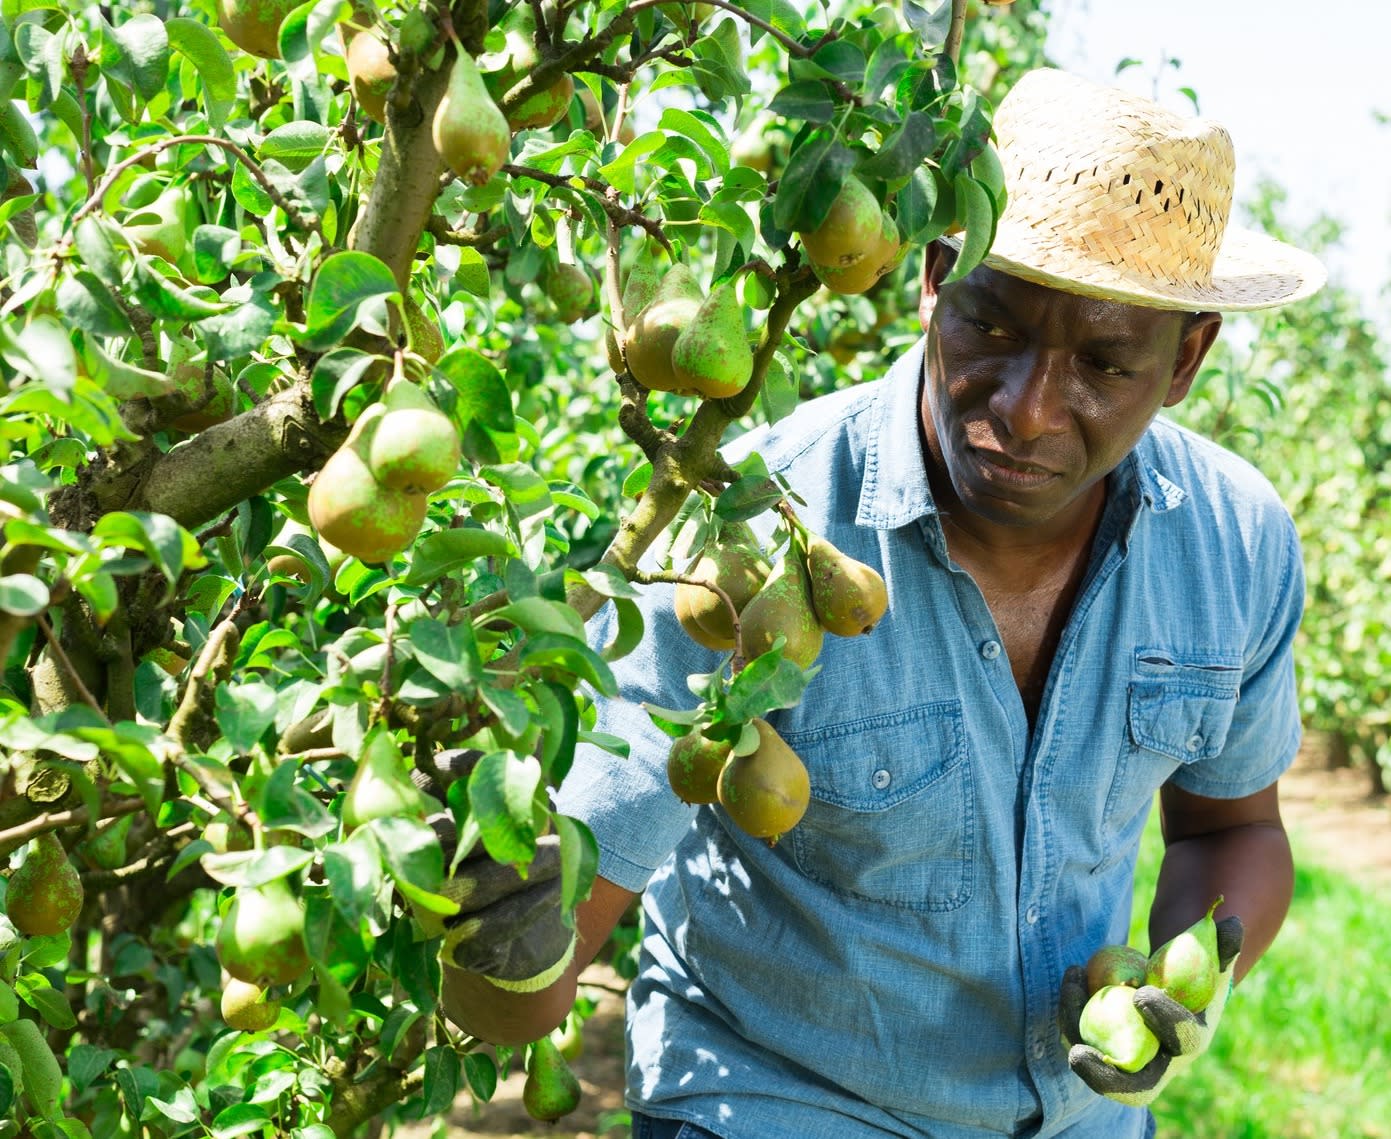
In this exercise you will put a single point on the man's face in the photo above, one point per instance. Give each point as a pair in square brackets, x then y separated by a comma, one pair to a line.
[1033, 396]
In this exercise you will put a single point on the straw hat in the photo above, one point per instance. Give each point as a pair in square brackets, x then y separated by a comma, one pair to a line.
[1113, 196]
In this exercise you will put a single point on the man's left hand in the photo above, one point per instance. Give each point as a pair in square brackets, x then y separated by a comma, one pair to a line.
[1183, 1035]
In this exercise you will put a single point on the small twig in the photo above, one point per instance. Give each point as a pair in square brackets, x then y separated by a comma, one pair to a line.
[644, 578]
[389, 638]
[78, 68]
[952, 48]
[439, 229]
[18, 835]
[65, 663]
[621, 214]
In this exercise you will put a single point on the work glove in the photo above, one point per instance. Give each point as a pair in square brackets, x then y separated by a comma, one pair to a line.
[1183, 1035]
[510, 930]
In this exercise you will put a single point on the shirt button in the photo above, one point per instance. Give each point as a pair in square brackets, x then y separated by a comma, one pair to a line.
[1031, 915]
[881, 779]
[1195, 741]
[990, 649]
[1039, 1049]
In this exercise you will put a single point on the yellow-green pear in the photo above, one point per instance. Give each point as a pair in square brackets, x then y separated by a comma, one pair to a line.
[469, 131]
[45, 894]
[261, 938]
[380, 787]
[1186, 966]
[1116, 965]
[694, 764]
[415, 448]
[884, 255]
[370, 73]
[1112, 1025]
[851, 228]
[767, 791]
[711, 356]
[505, 69]
[652, 332]
[244, 1006]
[848, 596]
[783, 608]
[551, 1089]
[734, 563]
[254, 25]
[643, 279]
[571, 289]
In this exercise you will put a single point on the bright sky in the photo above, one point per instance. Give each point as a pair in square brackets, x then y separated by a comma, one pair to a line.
[1297, 84]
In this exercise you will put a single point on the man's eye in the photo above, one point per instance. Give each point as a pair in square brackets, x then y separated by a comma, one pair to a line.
[1108, 369]
[985, 328]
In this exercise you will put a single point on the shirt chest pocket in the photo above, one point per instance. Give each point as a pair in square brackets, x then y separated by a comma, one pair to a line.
[892, 814]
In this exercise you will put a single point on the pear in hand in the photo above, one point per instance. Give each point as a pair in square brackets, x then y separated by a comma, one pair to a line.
[1186, 966]
[1112, 1025]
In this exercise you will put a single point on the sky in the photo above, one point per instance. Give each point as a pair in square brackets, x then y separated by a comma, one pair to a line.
[1297, 85]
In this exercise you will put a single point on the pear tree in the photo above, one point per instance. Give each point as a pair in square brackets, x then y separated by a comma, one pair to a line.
[352, 358]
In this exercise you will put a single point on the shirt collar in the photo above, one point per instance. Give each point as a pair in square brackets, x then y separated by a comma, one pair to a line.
[895, 489]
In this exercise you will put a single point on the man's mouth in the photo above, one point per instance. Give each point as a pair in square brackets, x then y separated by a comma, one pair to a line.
[1005, 470]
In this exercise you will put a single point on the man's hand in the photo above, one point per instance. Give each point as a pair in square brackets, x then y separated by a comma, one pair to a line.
[1183, 1035]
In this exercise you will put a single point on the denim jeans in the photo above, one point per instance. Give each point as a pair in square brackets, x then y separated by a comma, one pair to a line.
[650, 1127]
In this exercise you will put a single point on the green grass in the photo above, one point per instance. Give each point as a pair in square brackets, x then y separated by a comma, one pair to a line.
[1305, 1044]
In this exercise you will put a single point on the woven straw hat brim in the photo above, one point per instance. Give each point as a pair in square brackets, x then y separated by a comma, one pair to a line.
[1252, 271]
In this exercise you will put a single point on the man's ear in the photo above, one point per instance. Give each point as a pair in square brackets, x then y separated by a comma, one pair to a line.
[937, 262]
[1199, 334]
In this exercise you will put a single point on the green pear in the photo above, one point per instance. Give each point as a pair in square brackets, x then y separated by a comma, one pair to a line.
[694, 765]
[415, 448]
[551, 1089]
[884, 254]
[851, 228]
[244, 1006]
[469, 131]
[107, 850]
[638, 291]
[711, 356]
[768, 791]
[653, 331]
[261, 938]
[380, 787]
[783, 607]
[734, 563]
[1186, 966]
[848, 596]
[45, 894]
[1112, 1025]
[1116, 965]
[571, 289]
[161, 228]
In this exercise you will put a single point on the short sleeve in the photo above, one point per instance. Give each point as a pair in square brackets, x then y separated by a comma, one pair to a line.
[1266, 729]
[636, 818]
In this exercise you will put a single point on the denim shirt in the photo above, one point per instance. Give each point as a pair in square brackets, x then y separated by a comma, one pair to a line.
[891, 965]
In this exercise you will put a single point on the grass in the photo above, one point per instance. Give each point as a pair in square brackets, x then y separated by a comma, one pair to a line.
[1305, 1044]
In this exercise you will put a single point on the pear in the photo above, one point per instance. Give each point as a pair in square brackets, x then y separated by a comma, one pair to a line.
[783, 607]
[254, 25]
[883, 255]
[245, 1006]
[505, 69]
[1112, 1025]
[572, 292]
[1186, 966]
[107, 850]
[734, 563]
[1116, 965]
[370, 73]
[643, 279]
[551, 1089]
[711, 356]
[45, 894]
[767, 791]
[694, 765]
[161, 228]
[415, 447]
[261, 938]
[848, 596]
[380, 787]
[469, 131]
[852, 227]
[653, 331]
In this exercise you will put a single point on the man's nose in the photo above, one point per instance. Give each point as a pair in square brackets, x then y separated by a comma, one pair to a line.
[1029, 398]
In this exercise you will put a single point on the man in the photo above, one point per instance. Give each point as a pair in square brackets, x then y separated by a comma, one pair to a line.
[1086, 605]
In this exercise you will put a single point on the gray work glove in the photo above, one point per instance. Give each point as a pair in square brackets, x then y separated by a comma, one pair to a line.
[1183, 1035]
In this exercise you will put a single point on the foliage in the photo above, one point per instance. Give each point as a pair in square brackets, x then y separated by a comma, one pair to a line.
[213, 263]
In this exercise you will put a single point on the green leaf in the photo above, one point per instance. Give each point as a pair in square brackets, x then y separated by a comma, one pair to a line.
[502, 793]
[215, 248]
[448, 652]
[570, 655]
[239, 330]
[808, 100]
[904, 150]
[931, 19]
[579, 861]
[244, 712]
[43, 352]
[296, 144]
[336, 374]
[86, 1062]
[536, 615]
[240, 1119]
[446, 551]
[480, 1070]
[814, 175]
[483, 395]
[692, 127]
[351, 289]
[35, 990]
[256, 867]
[23, 595]
[168, 545]
[354, 872]
[146, 44]
[441, 1080]
[765, 684]
[90, 305]
[412, 854]
[980, 221]
[628, 635]
[747, 498]
[199, 44]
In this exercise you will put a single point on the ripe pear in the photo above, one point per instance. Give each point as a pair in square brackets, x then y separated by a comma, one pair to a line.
[107, 850]
[851, 228]
[350, 509]
[505, 69]
[694, 765]
[1116, 965]
[1186, 966]
[415, 447]
[551, 1089]
[161, 228]
[1112, 1025]
[883, 255]
[638, 291]
[848, 596]
[244, 1006]
[469, 131]
[261, 938]
[45, 893]
[254, 25]
[711, 356]
[766, 792]
[572, 291]
[783, 607]
[735, 564]
[652, 333]
[370, 73]
[380, 787]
